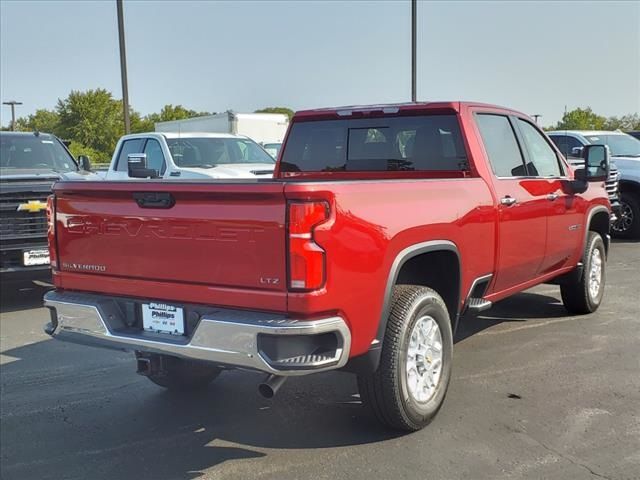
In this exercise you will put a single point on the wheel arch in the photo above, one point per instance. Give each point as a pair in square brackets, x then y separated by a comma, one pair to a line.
[405, 269]
[629, 186]
[408, 269]
[598, 220]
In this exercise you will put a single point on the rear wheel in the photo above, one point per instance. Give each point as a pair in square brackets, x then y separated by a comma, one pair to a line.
[177, 374]
[628, 223]
[584, 295]
[410, 384]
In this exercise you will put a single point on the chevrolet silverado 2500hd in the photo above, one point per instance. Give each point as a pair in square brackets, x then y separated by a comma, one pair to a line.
[30, 162]
[382, 225]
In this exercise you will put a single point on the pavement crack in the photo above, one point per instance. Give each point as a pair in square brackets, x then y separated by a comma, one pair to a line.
[567, 458]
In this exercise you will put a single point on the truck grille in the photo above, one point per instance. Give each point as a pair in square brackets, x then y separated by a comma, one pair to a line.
[612, 183]
[21, 225]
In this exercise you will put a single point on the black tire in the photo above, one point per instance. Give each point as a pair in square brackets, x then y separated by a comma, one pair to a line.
[576, 296]
[628, 223]
[178, 374]
[385, 391]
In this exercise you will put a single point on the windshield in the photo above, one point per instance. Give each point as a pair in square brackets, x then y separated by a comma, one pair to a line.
[211, 152]
[619, 145]
[33, 152]
[273, 149]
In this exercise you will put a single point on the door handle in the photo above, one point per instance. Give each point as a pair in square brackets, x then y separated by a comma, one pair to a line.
[508, 200]
[552, 196]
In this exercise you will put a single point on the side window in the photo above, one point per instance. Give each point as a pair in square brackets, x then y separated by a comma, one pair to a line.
[128, 146]
[501, 145]
[543, 160]
[561, 143]
[155, 157]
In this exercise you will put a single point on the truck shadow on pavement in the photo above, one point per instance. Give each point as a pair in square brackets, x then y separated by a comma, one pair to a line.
[15, 297]
[519, 308]
[89, 411]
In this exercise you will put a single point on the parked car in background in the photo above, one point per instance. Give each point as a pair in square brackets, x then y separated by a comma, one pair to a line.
[190, 156]
[272, 149]
[383, 225]
[30, 162]
[259, 127]
[624, 180]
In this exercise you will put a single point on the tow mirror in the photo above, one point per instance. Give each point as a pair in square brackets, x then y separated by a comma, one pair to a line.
[137, 166]
[596, 164]
[84, 163]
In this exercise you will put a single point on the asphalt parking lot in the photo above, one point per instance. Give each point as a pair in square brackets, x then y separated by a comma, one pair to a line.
[535, 394]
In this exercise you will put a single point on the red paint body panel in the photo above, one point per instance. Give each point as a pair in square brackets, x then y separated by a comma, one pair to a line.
[220, 241]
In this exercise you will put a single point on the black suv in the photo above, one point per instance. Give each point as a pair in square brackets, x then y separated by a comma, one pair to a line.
[29, 165]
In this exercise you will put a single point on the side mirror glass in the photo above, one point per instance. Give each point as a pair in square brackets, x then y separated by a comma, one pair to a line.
[137, 166]
[596, 163]
[576, 152]
[84, 163]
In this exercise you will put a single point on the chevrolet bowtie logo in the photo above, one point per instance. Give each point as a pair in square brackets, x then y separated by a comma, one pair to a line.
[32, 206]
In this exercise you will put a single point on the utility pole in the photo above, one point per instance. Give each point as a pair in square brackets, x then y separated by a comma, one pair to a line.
[12, 104]
[414, 8]
[536, 116]
[123, 69]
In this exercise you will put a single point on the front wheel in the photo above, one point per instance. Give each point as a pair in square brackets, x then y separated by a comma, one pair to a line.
[628, 223]
[584, 295]
[409, 386]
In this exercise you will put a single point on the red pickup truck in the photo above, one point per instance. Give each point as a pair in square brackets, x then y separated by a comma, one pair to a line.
[381, 227]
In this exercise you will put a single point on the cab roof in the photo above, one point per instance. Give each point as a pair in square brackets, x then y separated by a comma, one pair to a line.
[393, 109]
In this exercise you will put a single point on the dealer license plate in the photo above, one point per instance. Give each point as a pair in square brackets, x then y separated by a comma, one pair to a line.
[163, 318]
[35, 257]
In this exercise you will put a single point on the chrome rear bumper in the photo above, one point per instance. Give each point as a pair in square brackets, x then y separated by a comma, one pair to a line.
[227, 337]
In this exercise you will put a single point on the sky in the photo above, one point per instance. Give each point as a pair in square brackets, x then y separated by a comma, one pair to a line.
[536, 57]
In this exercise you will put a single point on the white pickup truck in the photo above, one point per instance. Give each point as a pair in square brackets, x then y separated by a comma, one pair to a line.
[189, 156]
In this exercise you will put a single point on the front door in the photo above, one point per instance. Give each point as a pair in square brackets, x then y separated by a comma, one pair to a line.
[565, 223]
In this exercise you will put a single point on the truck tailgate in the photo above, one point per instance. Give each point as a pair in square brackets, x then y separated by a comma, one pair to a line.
[227, 235]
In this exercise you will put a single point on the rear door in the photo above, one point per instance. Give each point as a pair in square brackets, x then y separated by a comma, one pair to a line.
[209, 234]
[522, 227]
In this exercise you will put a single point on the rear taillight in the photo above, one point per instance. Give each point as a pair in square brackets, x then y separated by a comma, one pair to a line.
[51, 230]
[306, 257]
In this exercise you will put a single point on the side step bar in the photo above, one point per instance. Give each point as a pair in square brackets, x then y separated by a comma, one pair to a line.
[478, 305]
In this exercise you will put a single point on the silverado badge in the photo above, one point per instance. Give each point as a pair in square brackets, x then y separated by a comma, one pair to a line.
[32, 206]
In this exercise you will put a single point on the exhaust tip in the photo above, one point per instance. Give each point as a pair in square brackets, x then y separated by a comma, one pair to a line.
[266, 391]
[271, 385]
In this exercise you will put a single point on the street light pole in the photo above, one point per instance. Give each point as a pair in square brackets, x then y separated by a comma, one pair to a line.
[536, 116]
[123, 69]
[414, 8]
[12, 104]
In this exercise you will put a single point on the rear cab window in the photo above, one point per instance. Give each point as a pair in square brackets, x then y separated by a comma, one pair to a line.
[501, 145]
[411, 143]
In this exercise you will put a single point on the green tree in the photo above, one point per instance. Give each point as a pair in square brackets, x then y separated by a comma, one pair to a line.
[625, 123]
[581, 119]
[285, 110]
[140, 124]
[174, 112]
[43, 120]
[92, 119]
[95, 156]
